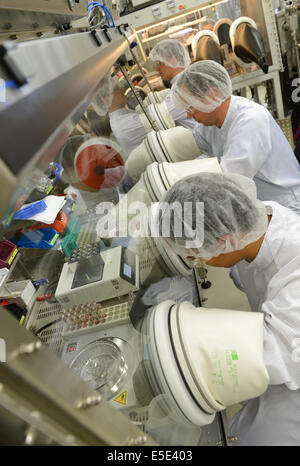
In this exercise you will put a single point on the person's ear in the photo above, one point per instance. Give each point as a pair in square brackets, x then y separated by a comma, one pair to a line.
[214, 94]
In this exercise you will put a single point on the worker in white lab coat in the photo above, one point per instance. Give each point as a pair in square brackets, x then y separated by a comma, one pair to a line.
[241, 133]
[171, 59]
[263, 239]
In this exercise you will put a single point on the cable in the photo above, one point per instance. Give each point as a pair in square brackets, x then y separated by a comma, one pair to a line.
[51, 287]
[110, 16]
[100, 22]
[92, 5]
[46, 326]
[90, 20]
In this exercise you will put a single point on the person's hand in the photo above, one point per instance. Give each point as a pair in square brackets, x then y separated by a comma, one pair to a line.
[139, 308]
[119, 100]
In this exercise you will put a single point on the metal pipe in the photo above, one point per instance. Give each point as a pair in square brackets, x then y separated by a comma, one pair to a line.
[135, 57]
[130, 84]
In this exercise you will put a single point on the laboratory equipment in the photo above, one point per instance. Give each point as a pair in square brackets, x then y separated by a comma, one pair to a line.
[132, 101]
[154, 98]
[160, 115]
[248, 44]
[198, 374]
[206, 46]
[153, 184]
[112, 272]
[57, 108]
[20, 292]
[171, 145]
[221, 30]
[85, 252]
[83, 318]
[46, 182]
[105, 355]
[99, 164]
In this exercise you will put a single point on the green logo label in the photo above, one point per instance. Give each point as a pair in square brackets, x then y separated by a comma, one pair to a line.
[234, 355]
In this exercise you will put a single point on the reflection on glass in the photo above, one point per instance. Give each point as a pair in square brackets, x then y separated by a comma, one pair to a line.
[95, 283]
[97, 278]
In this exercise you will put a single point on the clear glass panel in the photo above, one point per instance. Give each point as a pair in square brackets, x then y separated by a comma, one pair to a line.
[83, 285]
[84, 277]
[187, 26]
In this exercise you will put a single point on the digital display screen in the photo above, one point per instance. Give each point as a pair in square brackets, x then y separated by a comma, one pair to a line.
[127, 266]
[127, 270]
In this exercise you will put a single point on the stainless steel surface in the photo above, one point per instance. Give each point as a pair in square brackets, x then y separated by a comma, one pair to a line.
[30, 18]
[14, 431]
[50, 403]
[288, 18]
[55, 6]
[263, 13]
[216, 433]
[254, 10]
[144, 16]
[65, 72]
[89, 401]
[272, 32]
[46, 321]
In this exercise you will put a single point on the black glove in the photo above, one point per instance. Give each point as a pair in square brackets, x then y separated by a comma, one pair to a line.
[138, 309]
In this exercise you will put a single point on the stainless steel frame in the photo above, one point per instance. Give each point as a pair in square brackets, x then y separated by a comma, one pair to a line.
[262, 11]
[66, 7]
[38, 388]
[26, 19]
[64, 72]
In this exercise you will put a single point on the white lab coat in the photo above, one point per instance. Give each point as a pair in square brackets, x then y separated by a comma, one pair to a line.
[129, 130]
[270, 420]
[272, 285]
[252, 144]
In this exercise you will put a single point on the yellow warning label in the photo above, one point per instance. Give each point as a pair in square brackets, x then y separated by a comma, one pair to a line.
[122, 398]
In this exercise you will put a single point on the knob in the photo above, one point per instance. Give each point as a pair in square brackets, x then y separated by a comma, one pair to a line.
[205, 285]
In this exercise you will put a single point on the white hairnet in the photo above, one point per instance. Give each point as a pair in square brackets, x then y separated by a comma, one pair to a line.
[231, 216]
[104, 97]
[205, 85]
[206, 23]
[170, 52]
